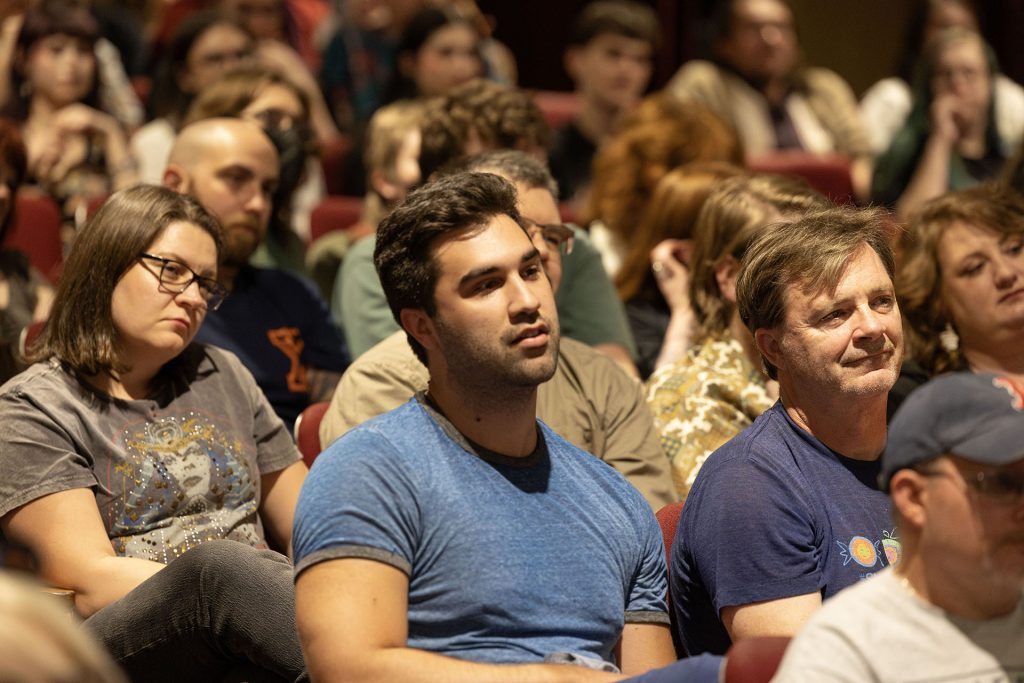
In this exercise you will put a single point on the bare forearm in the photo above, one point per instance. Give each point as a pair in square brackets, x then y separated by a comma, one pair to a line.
[931, 177]
[678, 337]
[99, 582]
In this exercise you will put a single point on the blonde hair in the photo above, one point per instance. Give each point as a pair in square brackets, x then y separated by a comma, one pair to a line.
[40, 643]
[385, 134]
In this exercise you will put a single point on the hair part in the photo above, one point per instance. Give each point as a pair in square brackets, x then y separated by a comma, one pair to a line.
[919, 279]
[735, 212]
[811, 253]
[80, 332]
[407, 240]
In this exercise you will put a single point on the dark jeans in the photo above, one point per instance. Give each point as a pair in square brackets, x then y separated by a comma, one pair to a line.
[222, 611]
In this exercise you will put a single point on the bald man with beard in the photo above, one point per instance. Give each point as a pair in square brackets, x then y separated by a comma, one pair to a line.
[275, 322]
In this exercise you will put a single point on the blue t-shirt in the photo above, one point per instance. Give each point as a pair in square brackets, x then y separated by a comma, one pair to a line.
[278, 326]
[774, 513]
[509, 559]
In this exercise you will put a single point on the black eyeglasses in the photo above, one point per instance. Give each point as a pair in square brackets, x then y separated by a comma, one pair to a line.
[558, 236]
[177, 277]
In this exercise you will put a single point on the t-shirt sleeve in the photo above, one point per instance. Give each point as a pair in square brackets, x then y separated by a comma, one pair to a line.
[358, 501]
[823, 652]
[646, 603]
[751, 535]
[38, 454]
[589, 309]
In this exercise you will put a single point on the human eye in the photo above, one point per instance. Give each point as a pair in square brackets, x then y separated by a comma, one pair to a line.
[884, 301]
[972, 267]
[175, 272]
[1013, 246]
[532, 271]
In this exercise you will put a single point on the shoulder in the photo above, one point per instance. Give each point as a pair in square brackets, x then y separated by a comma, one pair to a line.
[594, 371]
[825, 80]
[278, 279]
[698, 71]
[40, 379]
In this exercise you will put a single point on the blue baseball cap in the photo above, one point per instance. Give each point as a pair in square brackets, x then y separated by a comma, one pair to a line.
[976, 416]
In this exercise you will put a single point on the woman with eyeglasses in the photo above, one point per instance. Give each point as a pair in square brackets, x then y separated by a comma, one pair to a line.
[148, 473]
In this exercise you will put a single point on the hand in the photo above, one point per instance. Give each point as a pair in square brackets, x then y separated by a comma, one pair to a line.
[946, 118]
[670, 263]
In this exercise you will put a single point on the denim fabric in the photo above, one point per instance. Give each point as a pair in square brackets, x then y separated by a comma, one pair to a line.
[222, 611]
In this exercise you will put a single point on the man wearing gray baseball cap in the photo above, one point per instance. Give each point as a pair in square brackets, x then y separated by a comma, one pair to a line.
[952, 609]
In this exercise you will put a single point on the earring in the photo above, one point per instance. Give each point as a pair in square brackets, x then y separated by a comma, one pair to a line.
[949, 339]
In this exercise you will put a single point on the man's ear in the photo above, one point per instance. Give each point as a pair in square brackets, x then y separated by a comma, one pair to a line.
[420, 327]
[908, 497]
[767, 342]
[726, 271]
[176, 178]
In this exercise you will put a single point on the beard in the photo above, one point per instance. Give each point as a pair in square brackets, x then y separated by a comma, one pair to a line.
[240, 242]
[487, 366]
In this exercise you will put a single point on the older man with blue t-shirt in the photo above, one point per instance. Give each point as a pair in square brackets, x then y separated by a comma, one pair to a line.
[788, 512]
[457, 538]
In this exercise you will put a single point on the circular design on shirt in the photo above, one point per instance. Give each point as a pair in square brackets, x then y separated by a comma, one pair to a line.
[863, 551]
[892, 549]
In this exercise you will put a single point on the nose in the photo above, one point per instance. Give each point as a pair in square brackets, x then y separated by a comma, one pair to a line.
[523, 300]
[258, 203]
[191, 296]
[869, 324]
[1005, 271]
[771, 34]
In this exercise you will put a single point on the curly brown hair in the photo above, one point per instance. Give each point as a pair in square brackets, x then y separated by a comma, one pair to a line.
[919, 279]
[660, 135]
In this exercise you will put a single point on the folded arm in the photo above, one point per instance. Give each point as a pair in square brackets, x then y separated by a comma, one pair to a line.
[352, 620]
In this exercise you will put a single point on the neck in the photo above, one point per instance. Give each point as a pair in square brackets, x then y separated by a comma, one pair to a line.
[503, 420]
[131, 385]
[851, 425]
[968, 597]
[597, 121]
[40, 110]
[1001, 358]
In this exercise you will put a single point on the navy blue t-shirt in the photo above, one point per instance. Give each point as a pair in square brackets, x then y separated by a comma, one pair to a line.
[278, 326]
[774, 513]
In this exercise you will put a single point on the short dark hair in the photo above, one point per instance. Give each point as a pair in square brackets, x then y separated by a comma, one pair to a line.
[407, 239]
[518, 167]
[501, 116]
[617, 17]
[811, 252]
[80, 331]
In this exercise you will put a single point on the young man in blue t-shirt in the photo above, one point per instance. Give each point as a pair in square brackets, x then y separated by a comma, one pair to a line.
[788, 512]
[457, 538]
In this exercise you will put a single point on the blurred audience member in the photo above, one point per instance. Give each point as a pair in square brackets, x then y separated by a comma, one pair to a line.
[25, 295]
[609, 57]
[759, 85]
[653, 139]
[950, 139]
[719, 387]
[204, 47]
[438, 51]
[76, 151]
[40, 644]
[654, 280]
[885, 106]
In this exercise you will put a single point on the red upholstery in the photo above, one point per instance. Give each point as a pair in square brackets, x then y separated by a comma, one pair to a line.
[36, 231]
[668, 519]
[307, 431]
[558, 108]
[333, 158]
[334, 213]
[828, 174]
[754, 660]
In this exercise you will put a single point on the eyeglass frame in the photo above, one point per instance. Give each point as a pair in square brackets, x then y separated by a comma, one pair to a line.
[565, 233]
[217, 291]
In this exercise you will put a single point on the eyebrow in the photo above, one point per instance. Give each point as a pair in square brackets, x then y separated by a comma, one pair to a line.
[491, 270]
[174, 256]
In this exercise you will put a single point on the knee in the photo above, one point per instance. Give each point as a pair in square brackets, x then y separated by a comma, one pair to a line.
[230, 565]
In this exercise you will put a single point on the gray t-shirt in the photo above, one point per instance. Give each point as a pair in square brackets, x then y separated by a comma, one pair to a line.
[879, 631]
[168, 474]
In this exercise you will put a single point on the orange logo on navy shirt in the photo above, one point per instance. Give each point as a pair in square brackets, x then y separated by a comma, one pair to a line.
[288, 340]
[1014, 388]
